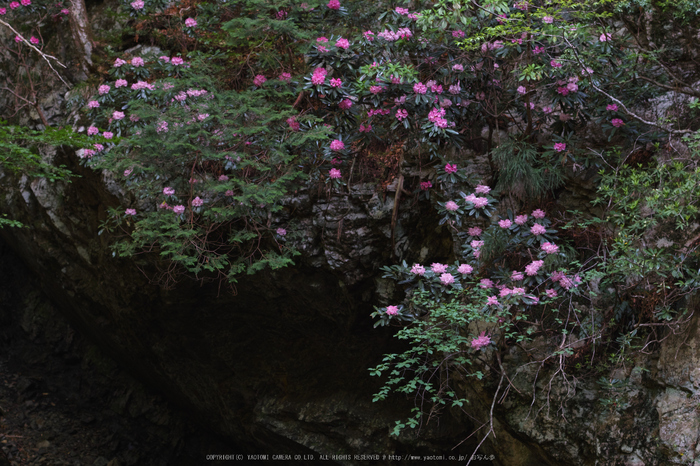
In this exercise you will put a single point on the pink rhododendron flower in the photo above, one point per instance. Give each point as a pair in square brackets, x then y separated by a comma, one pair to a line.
[26, 2]
[93, 104]
[401, 114]
[572, 87]
[551, 293]
[334, 173]
[120, 83]
[481, 341]
[505, 223]
[451, 206]
[376, 89]
[179, 209]
[342, 43]
[130, 212]
[3, 11]
[286, 77]
[34, 40]
[318, 76]
[457, 68]
[293, 124]
[480, 202]
[162, 127]
[447, 279]
[550, 248]
[392, 310]
[168, 191]
[137, 5]
[521, 219]
[455, 89]
[116, 115]
[345, 104]
[107, 135]
[128, 171]
[418, 269]
[14, 5]
[612, 107]
[474, 231]
[197, 202]
[538, 49]
[436, 267]
[516, 276]
[518, 291]
[337, 145]
[616, 122]
[482, 189]
[485, 283]
[401, 11]
[191, 22]
[522, 90]
[369, 35]
[450, 168]
[426, 185]
[492, 301]
[458, 34]
[103, 89]
[92, 130]
[538, 229]
[548, 20]
[560, 147]
[259, 80]
[605, 37]
[420, 88]
[137, 61]
[281, 231]
[539, 213]
[555, 64]
[228, 193]
[223, 178]
[334, 5]
[532, 268]
[177, 61]
[476, 244]
[465, 269]
[336, 82]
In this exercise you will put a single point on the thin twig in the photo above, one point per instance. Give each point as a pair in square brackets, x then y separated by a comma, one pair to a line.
[43, 55]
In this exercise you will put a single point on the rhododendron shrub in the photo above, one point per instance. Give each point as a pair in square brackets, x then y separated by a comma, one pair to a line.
[208, 168]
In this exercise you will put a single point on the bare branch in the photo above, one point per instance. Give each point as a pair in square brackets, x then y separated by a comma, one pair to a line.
[624, 107]
[43, 55]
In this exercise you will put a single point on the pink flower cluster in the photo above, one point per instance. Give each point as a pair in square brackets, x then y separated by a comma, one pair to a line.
[538, 229]
[616, 122]
[437, 268]
[452, 206]
[505, 223]
[420, 88]
[344, 104]
[369, 35]
[532, 268]
[401, 114]
[479, 202]
[342, 44]
[447, 279]
[474, 231]
[334, 5]
[259, 80]
[481, 341]
[391, 36]
[450, 168]
[337, 145]
[560, 147]
[550, 248]
[334, 173]
[293, 123]
[611, 108]
[426, 185]
[285, 77]
[392, 310]
[120, 83]
[465, 269]
[319, 76]
[436, 115]
[137, 5]
[418, 269]
[378, 111]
